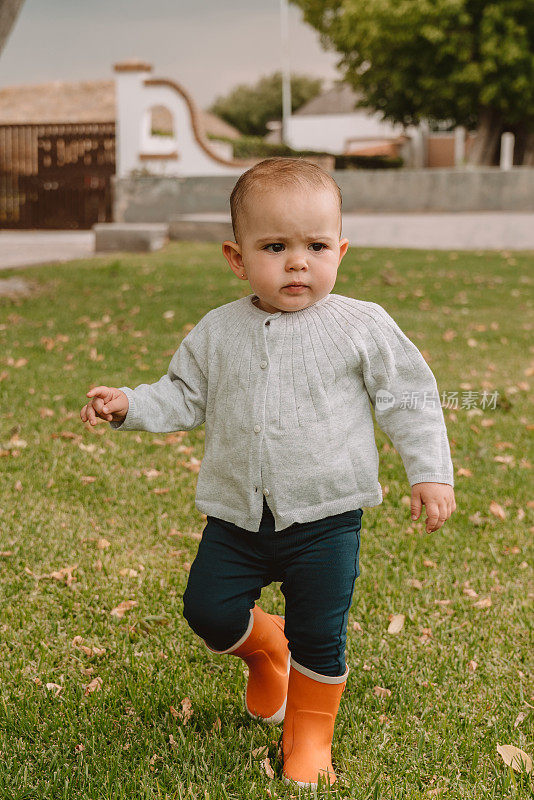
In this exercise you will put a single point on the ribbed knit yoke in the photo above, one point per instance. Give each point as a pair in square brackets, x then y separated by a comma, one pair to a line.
[287, 401]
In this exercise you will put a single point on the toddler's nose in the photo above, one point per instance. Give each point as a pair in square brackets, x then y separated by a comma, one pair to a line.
[297, 262]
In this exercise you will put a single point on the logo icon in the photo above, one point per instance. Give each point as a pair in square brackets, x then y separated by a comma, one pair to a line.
[384, 400]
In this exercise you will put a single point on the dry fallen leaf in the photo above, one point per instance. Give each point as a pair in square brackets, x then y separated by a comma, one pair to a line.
[59, 574]
[55, 686]
[120, 610]
[128, 572]
[470, 592]
[191, 534]
[187, 709]
[266, 764]
[381, 692]
[92, 651]
[427, 562]
[193, 465]
[357, 627]
[511, 551]
[151, 473]
[472, 666]
[415, 583]
[497, 510]
[93, 686]
[426, 635]
[103, 543]
[396, 624]
[484, 602]
[514, 757]
[17, 443]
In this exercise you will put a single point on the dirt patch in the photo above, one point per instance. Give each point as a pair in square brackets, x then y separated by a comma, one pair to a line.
[16, 287]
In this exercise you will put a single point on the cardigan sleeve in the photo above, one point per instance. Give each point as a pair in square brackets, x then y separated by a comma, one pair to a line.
[405, 398]
[177, 401]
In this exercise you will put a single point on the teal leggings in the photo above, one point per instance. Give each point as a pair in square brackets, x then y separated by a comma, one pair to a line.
[317, 564]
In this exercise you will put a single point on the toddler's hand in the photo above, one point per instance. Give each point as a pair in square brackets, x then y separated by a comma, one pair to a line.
[438, 499]
[107, 403]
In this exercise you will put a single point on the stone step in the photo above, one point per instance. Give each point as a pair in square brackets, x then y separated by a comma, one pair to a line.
[132, 237]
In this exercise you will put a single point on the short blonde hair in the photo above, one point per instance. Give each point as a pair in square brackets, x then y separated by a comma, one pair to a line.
[279, 172]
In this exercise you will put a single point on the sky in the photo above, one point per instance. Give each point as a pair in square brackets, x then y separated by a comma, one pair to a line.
[208, 46]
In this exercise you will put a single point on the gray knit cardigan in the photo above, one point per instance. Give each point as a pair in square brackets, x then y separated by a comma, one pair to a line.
[287, 401]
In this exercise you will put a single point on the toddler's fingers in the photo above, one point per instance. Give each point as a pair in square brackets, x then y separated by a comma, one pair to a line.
[99, 391]
[116, 404]
[432, 512]
[90, 416]
[98, 404]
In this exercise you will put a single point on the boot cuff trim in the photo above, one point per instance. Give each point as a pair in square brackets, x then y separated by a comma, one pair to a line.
[317, 677]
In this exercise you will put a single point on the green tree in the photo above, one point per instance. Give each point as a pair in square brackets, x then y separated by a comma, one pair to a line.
[250, 107]
[467, 61]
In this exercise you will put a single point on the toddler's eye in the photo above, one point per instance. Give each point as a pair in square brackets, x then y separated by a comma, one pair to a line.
[318, 246]
[277, 247]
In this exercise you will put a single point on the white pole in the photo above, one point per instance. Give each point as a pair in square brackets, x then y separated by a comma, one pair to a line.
[459, 146]
[286, 70]
[507, 150]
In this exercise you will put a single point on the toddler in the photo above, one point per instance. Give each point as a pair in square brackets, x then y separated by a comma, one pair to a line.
[284, 380]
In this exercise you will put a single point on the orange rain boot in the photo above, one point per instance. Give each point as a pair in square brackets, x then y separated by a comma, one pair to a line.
[312, 706]
[263, 647]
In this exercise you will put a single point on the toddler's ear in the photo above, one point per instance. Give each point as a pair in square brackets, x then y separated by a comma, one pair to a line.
[343, 245]
[232, 253]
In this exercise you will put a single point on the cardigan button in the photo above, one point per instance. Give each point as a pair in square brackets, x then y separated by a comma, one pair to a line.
[263, 364]
[257, 428]
[266, 492]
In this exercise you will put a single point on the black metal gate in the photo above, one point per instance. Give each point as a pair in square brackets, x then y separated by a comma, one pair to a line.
[56, 176]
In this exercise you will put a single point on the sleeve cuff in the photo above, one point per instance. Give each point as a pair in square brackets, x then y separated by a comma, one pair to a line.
[432, 477]
[130, 421]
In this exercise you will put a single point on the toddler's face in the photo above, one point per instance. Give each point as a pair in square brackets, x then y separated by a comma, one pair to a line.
[288, 237]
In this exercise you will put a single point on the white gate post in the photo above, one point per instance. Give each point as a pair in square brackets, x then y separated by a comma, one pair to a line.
[459, 146]
[129, 111]
[507, 150]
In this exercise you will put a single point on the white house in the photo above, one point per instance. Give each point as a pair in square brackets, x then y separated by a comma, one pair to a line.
[331, 123]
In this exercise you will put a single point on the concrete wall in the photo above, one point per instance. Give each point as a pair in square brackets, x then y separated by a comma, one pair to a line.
[155, 199]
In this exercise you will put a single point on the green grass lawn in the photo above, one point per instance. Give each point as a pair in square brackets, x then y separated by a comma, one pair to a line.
[96, 706]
